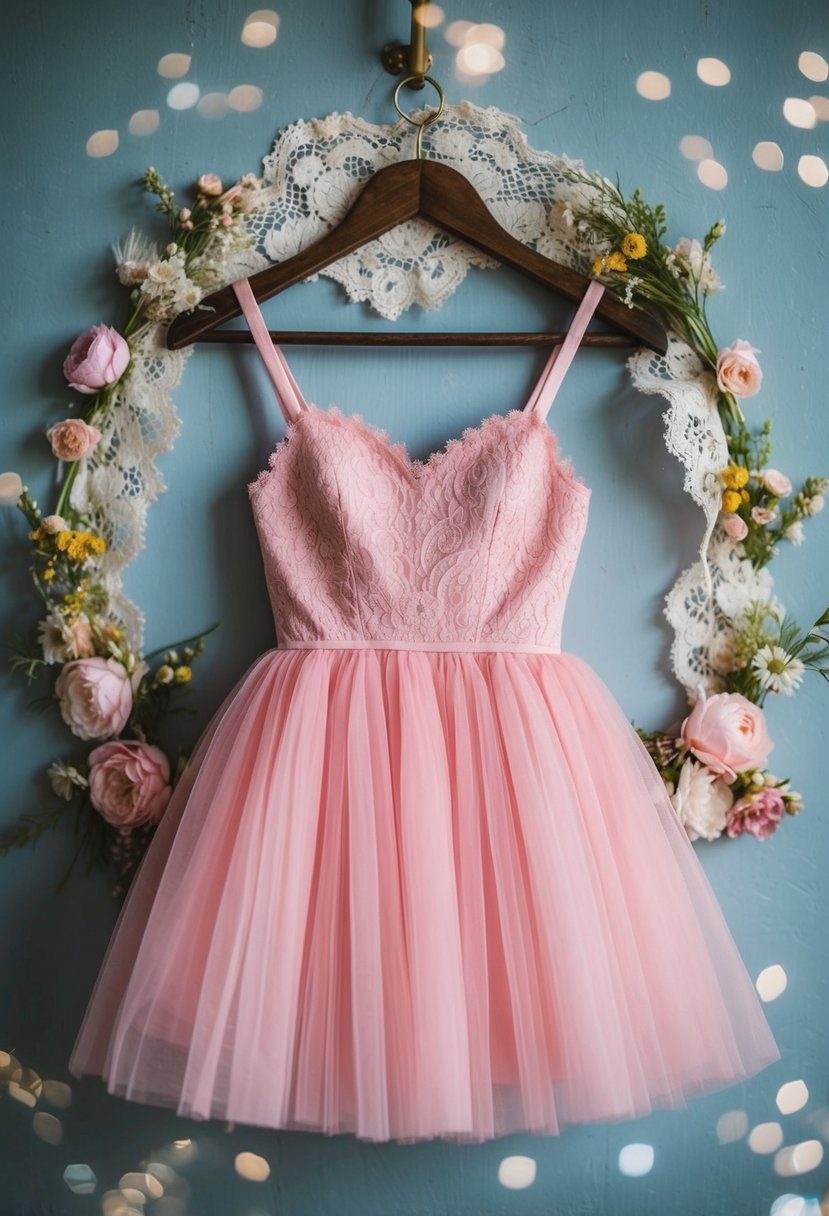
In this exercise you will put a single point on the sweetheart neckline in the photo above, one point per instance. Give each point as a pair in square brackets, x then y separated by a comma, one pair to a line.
[415, 466]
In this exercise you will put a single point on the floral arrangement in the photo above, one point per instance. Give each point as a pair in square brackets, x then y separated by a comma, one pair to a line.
[714, 762]
[113, 698]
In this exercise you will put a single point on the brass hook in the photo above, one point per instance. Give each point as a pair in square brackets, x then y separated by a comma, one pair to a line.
[414, 58]
[429, 119]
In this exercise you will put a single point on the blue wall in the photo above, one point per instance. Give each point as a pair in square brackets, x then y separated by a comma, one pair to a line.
[570, 73]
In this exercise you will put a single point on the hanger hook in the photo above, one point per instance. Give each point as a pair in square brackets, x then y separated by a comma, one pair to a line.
[430, 118]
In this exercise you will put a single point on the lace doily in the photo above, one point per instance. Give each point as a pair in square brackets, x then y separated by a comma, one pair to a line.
[311, 177]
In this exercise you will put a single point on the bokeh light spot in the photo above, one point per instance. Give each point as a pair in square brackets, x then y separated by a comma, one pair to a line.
[765, 1138]
[768, 155]
[792, 1096]
[479, 58]
[430, 16]
[636, 1160]
[712, 174]
[456, 32]
[813, 66]
[245, 97]
[771, 982]
[812, 170]
[144, 122]
[798, 1158]
[183, 96]
[102, 143]
[713, 71]
[213, 105]
[799, 113]
[174, 65]
[252, 1167]
[695, 147]
[820, 105]
[517, 1173]
[731, 1126]
[260, 28]
[47, 1127]
[654, 86]
[80, 1179]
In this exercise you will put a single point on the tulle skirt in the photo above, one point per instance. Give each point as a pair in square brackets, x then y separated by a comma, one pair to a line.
[408, 894]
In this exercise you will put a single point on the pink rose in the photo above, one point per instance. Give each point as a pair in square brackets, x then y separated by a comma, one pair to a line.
[210, 183]
[738, 371]
[762, 515]
[776, 483]
[727, 732]
[129, 783]
[735, 526]
[758, 814]
[97, 358]
[72, 439]
[95, 697]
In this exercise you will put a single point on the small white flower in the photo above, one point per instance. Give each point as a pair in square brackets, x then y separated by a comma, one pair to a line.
[795, 533]
[814, 505]
[794, 801]
[54, 638]
[777, 670]
[65, 779]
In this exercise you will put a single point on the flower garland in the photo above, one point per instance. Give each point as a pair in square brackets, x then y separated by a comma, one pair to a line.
[111, 696]
[115, 698]
[714, 762]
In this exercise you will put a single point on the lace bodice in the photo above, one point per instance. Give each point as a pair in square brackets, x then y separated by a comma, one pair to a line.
[473, 548]
[475, 545]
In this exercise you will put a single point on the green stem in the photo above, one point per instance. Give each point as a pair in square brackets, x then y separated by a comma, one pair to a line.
[184, 642]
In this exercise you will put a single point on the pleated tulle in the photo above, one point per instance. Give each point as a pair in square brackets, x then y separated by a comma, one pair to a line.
[420, 893]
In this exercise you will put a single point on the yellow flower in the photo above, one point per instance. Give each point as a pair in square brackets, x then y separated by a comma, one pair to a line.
[79, 545]
[598, 266]
[731, 500]
[734, 476]
[616, 261]
[183, 675]
[48, 574]
[744, 494]
[634, 245]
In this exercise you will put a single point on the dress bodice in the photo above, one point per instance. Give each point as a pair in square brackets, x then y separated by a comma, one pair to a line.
[473, 548]
[475, 545]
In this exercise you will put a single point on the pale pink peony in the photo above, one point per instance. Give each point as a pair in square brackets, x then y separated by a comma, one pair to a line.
[72, 440]
[97, 358]
[758, 814]
[701, 800]
[129, 783]
[776, 483]
[95, 697]
[210, 183]
[738, 371]
[735, 526]
[727, 732]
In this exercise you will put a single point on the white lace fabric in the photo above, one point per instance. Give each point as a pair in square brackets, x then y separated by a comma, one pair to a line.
[313, 174]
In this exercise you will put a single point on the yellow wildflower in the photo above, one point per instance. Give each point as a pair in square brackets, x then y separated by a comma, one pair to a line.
[48, 574]
[79, 545]
[598, 266]
[734, 476]
[36, 534]
[634, 245]
[183, 675]
[744, 494]
[616, 261]
[731, 500]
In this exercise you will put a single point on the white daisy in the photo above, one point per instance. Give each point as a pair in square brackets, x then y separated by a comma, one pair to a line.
[65, 779]
[778, 670]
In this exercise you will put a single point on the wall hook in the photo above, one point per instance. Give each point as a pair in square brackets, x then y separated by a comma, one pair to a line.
[413, 59]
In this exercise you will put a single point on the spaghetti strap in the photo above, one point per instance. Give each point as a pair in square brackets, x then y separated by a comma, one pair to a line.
[556, 366]
[290, 399]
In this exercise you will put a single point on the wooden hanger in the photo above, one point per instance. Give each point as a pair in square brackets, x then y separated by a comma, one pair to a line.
[411, 189]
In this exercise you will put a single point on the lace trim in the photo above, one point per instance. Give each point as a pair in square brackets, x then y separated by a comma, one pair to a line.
[416, 466]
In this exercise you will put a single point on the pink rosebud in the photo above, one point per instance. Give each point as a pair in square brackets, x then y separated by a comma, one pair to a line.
[758, 814]
[727, 732]
[762, 515]
[129, 783]
[738, 371]
[184, 214]
[81, 644]
[776, 483]
[210, 183]
[73, 439]
[97, 358]
[95, 697]
[227, 220]
[735, 526]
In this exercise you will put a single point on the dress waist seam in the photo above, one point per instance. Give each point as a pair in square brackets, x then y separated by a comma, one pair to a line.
[404, 644]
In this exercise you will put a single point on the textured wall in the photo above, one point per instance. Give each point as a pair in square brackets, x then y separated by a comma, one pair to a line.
[570, 73]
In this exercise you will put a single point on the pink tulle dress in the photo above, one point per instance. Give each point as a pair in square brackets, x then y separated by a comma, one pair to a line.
[420, 877]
